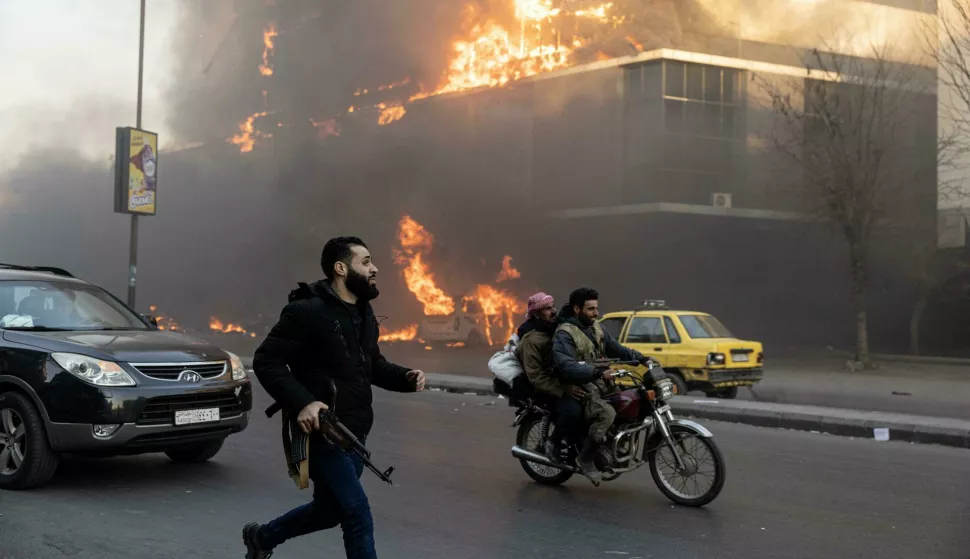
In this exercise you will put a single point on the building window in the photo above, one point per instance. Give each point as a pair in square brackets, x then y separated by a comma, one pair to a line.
[702, 103]
[685, 131]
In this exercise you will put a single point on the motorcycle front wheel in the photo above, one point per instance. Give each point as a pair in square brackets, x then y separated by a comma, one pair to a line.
[530, 437]
[701, 478]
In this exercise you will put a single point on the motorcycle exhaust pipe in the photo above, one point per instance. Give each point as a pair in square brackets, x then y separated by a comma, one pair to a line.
[530, 456]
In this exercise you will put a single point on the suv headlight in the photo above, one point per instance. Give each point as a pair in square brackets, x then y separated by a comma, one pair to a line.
[238, 370]
[94, 371]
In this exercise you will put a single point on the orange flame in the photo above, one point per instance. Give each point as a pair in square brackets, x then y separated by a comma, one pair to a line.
[599, 12]
[246, 138]
[508, 271]
[268, 34]
[456, 344]
[498, 306]
[491, 56]
[364, 91]
[217, 325]
[491, 60]
[403, 335]
[164, 322]
[415, 243]
[390, 113]
[634, 43]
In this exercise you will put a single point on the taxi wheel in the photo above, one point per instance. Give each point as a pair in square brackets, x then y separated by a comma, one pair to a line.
[679, 382]
[729, 393]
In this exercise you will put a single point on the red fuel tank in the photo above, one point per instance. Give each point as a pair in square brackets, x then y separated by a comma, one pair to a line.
[626, 403]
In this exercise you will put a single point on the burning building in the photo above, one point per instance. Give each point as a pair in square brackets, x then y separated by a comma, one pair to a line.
[646, 175]
[611, 144]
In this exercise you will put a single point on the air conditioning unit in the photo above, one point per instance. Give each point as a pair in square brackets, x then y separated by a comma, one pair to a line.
[721, 200]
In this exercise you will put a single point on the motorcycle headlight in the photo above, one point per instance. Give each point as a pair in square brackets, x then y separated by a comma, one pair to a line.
[666, 390]
[94, 371]
[238, 370]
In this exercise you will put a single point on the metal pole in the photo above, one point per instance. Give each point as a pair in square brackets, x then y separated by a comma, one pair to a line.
[133, 252]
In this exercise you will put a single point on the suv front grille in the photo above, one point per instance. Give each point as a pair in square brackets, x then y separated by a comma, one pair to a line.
[161, 410]
[171, 371]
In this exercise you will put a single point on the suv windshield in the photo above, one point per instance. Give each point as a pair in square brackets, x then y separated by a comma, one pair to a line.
[51, 305]
[704, 326]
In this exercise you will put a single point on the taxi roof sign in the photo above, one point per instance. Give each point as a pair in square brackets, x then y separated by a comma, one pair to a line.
[654, 304]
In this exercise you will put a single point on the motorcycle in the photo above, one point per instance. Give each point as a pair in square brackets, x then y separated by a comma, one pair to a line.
[683, 458]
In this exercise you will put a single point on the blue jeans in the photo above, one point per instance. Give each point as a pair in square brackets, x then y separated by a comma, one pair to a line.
[338, 498]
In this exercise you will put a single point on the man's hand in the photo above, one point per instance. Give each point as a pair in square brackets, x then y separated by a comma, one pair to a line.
[577, 392]
[417, 377]
[607, 374]
[309, 418]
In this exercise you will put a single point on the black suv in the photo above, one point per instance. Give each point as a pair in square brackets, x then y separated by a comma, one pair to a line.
[81, 373]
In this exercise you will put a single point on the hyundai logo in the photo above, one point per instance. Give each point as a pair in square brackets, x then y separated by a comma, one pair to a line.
[190, 376]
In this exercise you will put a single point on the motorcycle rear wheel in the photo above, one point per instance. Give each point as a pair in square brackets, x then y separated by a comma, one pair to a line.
[696, 451]
[529, 437]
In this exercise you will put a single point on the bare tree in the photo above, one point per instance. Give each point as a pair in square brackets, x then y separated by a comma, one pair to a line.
[947, 42]
[850, 130]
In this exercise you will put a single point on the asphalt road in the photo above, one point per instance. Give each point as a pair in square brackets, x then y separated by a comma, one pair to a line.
[460, 494]
[933, 390]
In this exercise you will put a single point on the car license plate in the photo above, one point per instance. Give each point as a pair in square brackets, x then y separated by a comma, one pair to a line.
[188, 417]
[740, 358]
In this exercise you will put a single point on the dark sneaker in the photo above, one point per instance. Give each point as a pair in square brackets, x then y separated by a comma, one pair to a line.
[253, 551]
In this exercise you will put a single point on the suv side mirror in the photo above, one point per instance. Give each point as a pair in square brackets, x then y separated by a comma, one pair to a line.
[151, 319]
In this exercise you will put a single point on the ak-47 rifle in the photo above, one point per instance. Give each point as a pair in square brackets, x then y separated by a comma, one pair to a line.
[335, 432]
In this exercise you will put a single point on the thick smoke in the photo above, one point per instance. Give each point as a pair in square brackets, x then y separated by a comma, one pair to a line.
[235, 231]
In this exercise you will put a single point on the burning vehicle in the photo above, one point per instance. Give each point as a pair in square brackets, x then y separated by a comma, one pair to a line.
[486, 315]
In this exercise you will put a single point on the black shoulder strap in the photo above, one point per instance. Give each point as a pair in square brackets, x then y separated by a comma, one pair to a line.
[302, 291]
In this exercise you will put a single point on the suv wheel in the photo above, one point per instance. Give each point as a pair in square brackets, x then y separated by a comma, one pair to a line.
[26, 458]
[195, 453]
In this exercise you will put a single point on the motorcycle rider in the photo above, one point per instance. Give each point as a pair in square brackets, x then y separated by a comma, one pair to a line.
[578, 341]
[535, 353]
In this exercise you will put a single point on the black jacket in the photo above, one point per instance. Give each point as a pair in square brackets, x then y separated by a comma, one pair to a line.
[564, 354]
[315, 343]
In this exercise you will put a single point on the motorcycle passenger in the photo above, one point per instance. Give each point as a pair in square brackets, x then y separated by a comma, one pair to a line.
[579, 341]
[535, 353]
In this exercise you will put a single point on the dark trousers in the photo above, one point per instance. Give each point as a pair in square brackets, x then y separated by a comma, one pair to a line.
[338, 498]
[570, 425]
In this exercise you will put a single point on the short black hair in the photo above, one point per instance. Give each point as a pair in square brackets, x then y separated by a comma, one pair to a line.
[339, 249]
[579, 297]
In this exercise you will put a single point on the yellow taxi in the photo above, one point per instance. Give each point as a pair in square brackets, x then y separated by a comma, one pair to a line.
[694, 348]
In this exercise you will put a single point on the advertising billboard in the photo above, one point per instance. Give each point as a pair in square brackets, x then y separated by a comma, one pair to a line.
[136, 171]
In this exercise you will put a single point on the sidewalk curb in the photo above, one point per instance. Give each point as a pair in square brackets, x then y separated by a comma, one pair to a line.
[834, 421]
[923, 360]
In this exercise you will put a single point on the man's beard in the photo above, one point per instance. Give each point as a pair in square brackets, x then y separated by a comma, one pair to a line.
[359, 285]
[585, 320]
